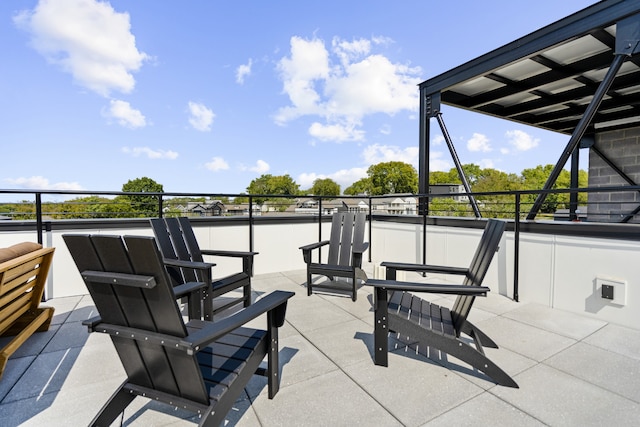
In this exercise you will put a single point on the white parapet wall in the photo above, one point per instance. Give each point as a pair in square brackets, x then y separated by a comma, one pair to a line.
[558, 271]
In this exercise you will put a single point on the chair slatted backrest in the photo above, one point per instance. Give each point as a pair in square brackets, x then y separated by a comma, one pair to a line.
[150, 309]
[177, 241]
[347, 229]
[488, 246]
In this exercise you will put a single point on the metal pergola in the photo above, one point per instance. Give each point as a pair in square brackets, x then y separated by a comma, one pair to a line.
[578, 76]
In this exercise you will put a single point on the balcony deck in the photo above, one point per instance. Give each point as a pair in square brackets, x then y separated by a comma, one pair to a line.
[572, 370]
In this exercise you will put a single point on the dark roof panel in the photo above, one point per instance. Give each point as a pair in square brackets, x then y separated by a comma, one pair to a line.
[547, 78]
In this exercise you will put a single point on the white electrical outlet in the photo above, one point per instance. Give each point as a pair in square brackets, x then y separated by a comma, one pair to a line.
[612, 290]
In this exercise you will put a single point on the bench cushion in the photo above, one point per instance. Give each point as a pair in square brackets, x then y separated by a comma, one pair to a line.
[17, 250]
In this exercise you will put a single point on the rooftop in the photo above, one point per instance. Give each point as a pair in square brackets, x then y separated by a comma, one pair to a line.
[571, 369]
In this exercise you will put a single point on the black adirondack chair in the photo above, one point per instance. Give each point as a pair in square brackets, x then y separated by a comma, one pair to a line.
[185, 263]
[423, 325]
[346, 246]
[199, 366]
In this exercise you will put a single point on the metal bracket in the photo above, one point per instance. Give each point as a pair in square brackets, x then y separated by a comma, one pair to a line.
[628, 36]
[432, 105]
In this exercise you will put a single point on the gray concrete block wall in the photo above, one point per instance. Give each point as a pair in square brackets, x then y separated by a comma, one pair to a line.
[622, 147]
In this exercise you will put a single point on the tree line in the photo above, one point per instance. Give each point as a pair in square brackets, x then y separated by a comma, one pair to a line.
[382, 179]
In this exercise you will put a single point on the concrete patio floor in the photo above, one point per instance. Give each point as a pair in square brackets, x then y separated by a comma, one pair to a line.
[572, 370]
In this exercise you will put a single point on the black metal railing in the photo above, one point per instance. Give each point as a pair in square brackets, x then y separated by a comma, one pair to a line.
[43, 209]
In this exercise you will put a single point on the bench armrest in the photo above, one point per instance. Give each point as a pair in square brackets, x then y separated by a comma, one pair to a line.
[434, 288]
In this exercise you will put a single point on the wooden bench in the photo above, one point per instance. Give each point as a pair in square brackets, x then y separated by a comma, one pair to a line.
[23, 272]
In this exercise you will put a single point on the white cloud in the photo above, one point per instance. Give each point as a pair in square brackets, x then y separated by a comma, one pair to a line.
[125, 114]
[343, 86]
[150, 153]
[371, 155]
[344, 177]
[201, 117]
[385, 130]
[336, 132]
[217, 164]
[41, 183]
[437, 140]
[486, 164]
[243, 71]
[522, 141]
[479, 142]
[437, 163]
[377, 153]
[86, 38]
[260, 167]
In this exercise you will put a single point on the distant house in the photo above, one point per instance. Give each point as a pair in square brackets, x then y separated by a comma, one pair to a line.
[449, 189]
[243, 209]
[215, 208]
[329, 207]
[400, 206]
[391, 206]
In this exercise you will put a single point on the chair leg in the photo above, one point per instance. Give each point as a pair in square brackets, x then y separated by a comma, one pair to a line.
[308, 282]
[381, 328]
[478, 360]
[273, 360]
[354, 287]
[114, 407]
[475, 333]
[247, 295]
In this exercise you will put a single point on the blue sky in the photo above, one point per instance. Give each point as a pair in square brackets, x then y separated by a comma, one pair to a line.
[205, 96]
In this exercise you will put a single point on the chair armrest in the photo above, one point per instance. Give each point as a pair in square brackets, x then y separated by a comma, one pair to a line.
[188, 264]
[434, 288]
[210, 331]
[360, 248]
[247, 257]
[188, 288]
[92, 322]
[206, 332]
[306, 250]
[314, 245]
[424, 268]
[236, 254]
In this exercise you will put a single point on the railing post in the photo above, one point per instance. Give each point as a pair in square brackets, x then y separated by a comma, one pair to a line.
[160, 206]
[370, 221]
[251, 224]
[516, 249]
[39, 216]
[319, 227]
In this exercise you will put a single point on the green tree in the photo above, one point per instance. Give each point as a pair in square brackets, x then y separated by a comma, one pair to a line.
[273, 185]
[142, 206]
[393, 178]
[536, 178]
[361, 186]
[439, 177]
[325, 187]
